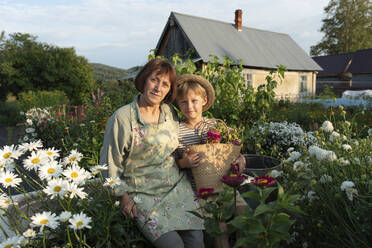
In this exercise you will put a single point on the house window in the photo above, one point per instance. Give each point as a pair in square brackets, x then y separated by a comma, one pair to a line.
[303, 84]
[248, 79]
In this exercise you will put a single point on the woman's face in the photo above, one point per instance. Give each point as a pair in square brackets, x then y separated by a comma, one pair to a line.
[156, 88]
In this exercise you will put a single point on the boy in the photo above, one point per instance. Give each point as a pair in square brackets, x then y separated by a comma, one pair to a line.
[195, 95]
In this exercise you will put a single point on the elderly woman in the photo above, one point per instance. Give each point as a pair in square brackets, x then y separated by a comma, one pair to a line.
[139, 141]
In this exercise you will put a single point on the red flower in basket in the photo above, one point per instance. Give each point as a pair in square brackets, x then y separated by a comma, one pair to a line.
[204, 193]
[264, 181]
[234, 180]
[213, 136]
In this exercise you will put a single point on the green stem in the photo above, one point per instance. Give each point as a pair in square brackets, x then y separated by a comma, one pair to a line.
[44, 244]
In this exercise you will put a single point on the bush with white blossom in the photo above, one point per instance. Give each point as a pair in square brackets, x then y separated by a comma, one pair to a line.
[335, 178]
[274, 138]
[68, 206]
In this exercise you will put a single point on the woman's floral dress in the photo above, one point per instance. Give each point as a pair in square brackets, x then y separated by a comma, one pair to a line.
[141, 155]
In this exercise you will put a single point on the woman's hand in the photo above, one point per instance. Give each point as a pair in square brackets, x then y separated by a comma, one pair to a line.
[189, 160]
[128, 207]
[241, 162]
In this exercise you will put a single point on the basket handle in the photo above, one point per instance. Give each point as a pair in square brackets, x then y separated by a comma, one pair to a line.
[209, 123]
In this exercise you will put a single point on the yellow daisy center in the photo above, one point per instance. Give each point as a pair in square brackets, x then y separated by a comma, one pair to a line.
[49, 153]
[72, 158]
[7, 155]
[57, 188]
[9, 180]
[35, 160]
[7, 202]
[112, 182]
[43, 221]
[233, 175]
[262, 181]
[79, 223]
[9, 245]
[51, 170]
[74, 174]
[2, 165]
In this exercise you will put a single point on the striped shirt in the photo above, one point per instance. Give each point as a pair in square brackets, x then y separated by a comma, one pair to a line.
[188, 137]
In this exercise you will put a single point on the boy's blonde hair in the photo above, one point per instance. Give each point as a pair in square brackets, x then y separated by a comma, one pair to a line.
[184, 88]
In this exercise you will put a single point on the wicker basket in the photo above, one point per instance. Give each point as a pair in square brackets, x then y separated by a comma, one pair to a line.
[216, 159]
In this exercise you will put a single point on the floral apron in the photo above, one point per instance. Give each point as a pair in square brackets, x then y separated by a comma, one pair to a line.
[163, 194]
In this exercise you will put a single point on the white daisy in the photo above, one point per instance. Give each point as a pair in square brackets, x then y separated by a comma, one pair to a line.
[50, 169]
[290, 149]
[298, 165]
[7, 165]
[334, 136]
[112, 182]
[51, 153]
[312, 195]
[76, 191]
[56, 187]
[275, 173]
[8, 178]
[9, 153]
[327, 126]
[76, 174]
[346, 147]
[370, 132]
[73, 158]
[35, 160]
[80, 221]
[347, 184]
[29, 233]
[12, 242]
[31, 146]
[65, 216]
[97, 168]
[5, 201]
[45, 219]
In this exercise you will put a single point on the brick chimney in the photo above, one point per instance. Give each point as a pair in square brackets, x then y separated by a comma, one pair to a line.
[238, 19]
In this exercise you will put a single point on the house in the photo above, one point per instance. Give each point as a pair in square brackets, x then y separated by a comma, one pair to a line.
[261, 51]
[348, 71]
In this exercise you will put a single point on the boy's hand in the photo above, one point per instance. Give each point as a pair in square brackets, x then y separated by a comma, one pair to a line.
[241, 162]
[189, 160]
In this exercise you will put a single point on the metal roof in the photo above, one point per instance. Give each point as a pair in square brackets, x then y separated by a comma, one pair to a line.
[335, 64]
[257, 48]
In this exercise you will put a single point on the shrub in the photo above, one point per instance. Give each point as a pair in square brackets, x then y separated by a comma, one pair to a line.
[41, 99]
[9, 113]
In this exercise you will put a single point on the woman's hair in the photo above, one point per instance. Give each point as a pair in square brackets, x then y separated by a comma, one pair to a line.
[164, 68]
[184, 88]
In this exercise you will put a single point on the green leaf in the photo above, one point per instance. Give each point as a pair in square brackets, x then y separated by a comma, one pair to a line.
[266, 192]
[252, 195]
[261, 209]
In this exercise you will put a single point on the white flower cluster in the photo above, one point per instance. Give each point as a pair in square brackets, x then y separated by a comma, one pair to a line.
[327, 126]
[322, 154]
[284, 135]
[34, 117]
[60, 179]
[348, 187]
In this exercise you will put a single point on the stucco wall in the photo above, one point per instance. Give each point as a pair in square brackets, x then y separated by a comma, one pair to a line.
[290, 86]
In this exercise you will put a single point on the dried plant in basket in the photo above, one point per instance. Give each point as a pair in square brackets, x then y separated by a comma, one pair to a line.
[222, 148]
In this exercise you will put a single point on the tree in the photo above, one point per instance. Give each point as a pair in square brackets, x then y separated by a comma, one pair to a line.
[347, 27]
[26, 64]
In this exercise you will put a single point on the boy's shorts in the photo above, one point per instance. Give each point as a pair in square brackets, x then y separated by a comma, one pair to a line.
[240, 202]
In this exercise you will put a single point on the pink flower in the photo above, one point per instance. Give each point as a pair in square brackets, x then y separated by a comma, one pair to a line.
[234, 180]
[264, 181]
[236, 142]
[213, 136]
[204, 193]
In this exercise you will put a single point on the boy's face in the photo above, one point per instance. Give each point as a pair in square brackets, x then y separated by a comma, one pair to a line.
[191, 105]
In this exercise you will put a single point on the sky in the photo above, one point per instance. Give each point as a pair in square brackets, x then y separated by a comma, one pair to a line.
[121, 33]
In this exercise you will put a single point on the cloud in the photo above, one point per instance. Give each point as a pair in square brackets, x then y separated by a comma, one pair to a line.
[121, 32]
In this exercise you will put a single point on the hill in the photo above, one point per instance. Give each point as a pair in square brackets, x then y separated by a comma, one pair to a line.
[105, 73]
